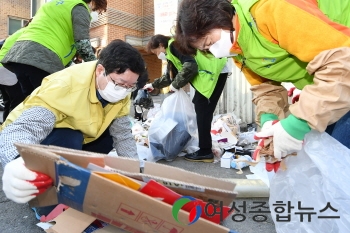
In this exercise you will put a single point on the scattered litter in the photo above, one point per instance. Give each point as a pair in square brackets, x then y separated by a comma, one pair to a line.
[45, 225]
[240, 161]
[259, 172]
[226, 159]
[231, 146]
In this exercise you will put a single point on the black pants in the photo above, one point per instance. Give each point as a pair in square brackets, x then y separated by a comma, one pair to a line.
[12, 96]
[58, 137]
[29, 77]
[204, 112]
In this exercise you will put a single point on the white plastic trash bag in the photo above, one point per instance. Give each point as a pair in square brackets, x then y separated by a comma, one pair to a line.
[174, 128]
[317, 178]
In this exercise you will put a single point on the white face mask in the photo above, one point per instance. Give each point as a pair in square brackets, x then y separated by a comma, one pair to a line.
[94, 16]
[162, 56]
[221, 48]
[112, 93]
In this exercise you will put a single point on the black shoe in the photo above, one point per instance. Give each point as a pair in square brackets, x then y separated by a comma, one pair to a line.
[194, 157]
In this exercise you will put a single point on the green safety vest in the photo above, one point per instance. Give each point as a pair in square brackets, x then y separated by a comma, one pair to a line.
[209, 69]
[334, 10]
[268, 59]
[56, 33]
[10, 41]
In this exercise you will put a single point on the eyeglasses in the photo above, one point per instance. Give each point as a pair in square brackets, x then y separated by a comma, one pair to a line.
[128, 89]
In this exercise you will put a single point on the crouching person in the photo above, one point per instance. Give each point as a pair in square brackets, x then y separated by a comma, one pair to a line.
[83, 107]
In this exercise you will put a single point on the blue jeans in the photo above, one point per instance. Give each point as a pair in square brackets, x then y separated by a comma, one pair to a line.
[340, 130]
[73, 139]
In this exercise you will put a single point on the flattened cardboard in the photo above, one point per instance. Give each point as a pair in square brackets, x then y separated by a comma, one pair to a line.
[109, 229]
[76, 220]
[106, 200]
[179, 180]
[174, 173]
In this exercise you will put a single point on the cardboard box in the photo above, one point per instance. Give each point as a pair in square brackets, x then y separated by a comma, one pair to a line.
[226, 159]
[116, 204]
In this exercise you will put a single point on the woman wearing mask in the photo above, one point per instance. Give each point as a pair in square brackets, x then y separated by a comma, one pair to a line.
[58, 30]
[203, 72]
[272, 47]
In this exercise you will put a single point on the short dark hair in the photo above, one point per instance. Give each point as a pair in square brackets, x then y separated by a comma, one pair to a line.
[97, 5]
[156, 40]
[118, 56]
[196, 18]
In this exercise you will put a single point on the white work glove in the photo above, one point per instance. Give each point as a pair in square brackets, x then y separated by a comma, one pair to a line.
[283, 143]
[267, 125]
[294, 93]
[172, 88]
[21, 184]
[149, 87]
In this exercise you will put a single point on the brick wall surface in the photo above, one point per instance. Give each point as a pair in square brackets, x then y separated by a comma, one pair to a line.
[13, 8]
[117, 32]
[154, 66]
[148, 7]
[130, 6]
[100, 32]
[148, 33]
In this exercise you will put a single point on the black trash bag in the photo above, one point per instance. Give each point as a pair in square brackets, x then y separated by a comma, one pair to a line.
[143, 99]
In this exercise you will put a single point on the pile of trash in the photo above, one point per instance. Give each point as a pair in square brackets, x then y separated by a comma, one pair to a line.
[232, 146]
[233, 142]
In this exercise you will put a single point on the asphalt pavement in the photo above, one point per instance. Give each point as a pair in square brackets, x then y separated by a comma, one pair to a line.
[19, 218]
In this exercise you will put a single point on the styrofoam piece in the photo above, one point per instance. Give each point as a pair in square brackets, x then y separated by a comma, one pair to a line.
[247, 188]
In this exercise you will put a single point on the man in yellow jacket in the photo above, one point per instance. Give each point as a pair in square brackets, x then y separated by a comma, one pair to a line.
[84, 107]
